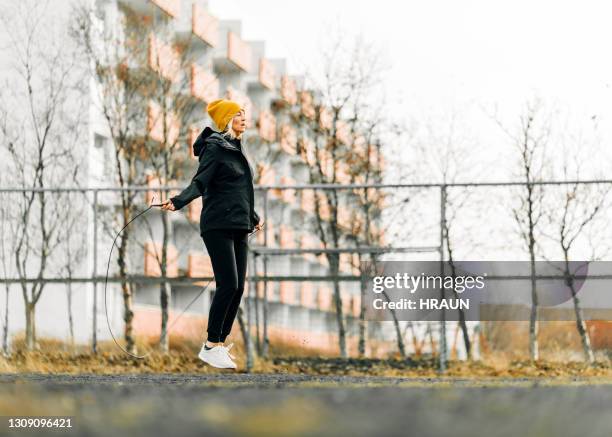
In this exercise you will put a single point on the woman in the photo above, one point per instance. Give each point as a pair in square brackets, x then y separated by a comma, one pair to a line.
[225, 180]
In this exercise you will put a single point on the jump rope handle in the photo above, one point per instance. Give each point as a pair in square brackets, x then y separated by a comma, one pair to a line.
[153, 199]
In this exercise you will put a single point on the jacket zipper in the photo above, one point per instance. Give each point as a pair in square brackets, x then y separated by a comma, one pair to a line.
[252, 205]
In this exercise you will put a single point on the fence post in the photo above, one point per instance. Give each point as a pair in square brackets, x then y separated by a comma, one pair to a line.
[442, 341]
[249, 318]
[94, 337]
[266, 340]
[256, 308]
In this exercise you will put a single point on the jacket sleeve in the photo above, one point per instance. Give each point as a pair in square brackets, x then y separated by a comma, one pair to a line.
[206, 170]
[255, 218]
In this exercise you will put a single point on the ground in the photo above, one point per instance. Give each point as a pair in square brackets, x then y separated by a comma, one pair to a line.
[298, 404]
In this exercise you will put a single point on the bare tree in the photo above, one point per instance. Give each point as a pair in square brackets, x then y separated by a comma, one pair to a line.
[266, 150]
[334, 131]
[169, 155]
[342, 129]
[569, 214]
[449, 150]
[369, 205]
[40, 135]
[121, 95]
[530, 140]
[7, 241]
[7, 244]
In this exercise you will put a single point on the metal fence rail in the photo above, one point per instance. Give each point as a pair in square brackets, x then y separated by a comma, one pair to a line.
[92, 195]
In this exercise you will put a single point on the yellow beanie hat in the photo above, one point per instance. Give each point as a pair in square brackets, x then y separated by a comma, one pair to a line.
[222, 111]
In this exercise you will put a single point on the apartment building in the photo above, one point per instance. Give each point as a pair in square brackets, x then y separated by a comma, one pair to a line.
[301, 313]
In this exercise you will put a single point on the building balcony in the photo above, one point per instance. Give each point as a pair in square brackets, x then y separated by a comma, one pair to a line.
[307, 105]
[307, 200]
[244, 101]
[268, 177]
[325, 118]
[325, 160]
[383, 200]
[356, 305]
[357, 225]
[168, 8]
[199, 265]
[307, 295]
[343, 132]
[204, 84]
[163, 128]
[239, 52]
[373, 156]
[359, 179]
[345, 219]
[204, 25]
[307, 151]
[323, 260]
[287, 292]
[269, 229]
[163, 58]
[308, 242]
[288, 90]
[267, 74]
[346, 302]
[151, 196]
[342, 173]
[370, 153]
[381, 237]
[266, 125]
[378, 235]
[288, 195]
[288, 139]
[324, 208]
[356, 265]
[359, 146]
[375, 197]
[157, 195]
[153, 257]
[286, 237]
[261, 289]
[346, 263]
[324, 298]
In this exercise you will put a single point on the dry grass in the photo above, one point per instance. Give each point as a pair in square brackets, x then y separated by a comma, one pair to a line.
[55, 357]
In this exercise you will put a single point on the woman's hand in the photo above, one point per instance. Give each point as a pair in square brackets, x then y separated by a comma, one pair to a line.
[168, 205]
[259, 226]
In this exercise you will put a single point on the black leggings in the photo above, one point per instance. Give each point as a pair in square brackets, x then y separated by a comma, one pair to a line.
[228, 251]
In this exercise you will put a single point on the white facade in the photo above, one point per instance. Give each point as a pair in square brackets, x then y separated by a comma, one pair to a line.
[293, 309]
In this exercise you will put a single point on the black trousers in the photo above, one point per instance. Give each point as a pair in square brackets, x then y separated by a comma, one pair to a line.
[228, 251]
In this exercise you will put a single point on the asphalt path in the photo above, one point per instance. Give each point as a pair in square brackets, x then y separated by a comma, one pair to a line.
[286, 404]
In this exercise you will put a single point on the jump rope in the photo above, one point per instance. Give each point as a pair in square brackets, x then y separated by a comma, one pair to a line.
[110, 254]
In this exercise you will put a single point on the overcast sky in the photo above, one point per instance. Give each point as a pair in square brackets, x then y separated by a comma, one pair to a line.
[448, 53]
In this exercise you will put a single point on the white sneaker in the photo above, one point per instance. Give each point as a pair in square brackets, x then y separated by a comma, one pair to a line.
[227, 348]
[218, 356]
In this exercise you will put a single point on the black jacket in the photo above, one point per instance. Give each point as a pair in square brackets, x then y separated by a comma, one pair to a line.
[224, 179]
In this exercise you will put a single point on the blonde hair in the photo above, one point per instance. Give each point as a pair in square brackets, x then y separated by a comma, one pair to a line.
[229, 130]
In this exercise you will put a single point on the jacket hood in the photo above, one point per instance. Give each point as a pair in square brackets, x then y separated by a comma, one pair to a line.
[200, 143]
